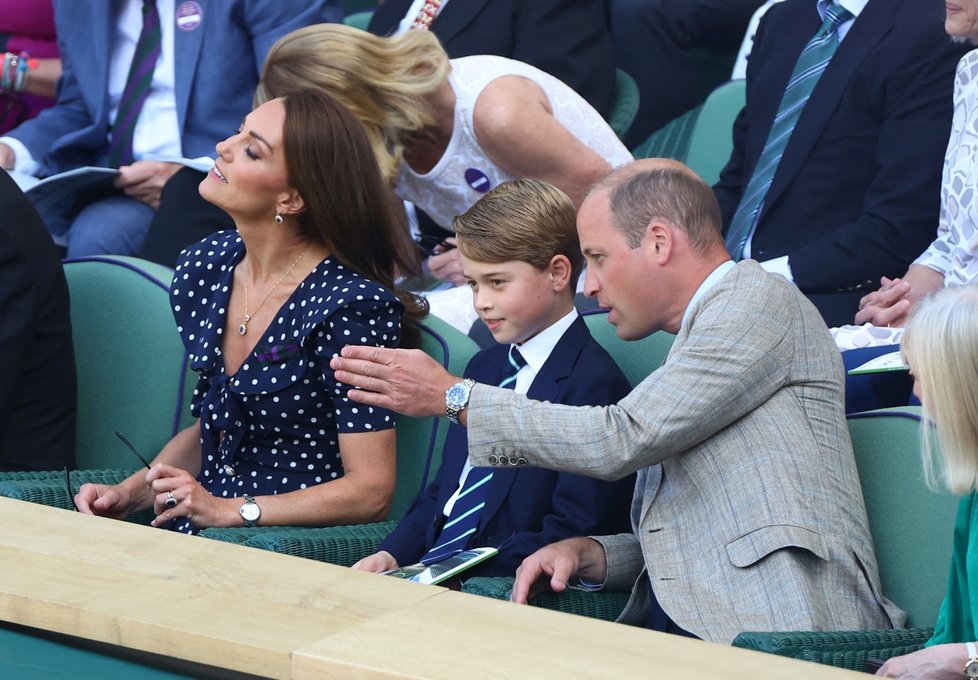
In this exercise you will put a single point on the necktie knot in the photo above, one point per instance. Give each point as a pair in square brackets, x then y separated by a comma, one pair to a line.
[515, 362]
[835, 16]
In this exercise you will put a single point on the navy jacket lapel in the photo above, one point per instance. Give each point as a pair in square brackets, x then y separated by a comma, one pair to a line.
[868, 29]
[456, 16]
[546, 386]
[388, 15]
[186, 48]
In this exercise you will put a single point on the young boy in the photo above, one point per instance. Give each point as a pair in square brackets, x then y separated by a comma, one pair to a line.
[521, 257]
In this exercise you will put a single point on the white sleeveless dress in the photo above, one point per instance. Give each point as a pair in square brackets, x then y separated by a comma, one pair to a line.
[464, 173]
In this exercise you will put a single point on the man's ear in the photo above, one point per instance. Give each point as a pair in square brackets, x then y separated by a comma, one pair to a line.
[660, 239]
[560, 272]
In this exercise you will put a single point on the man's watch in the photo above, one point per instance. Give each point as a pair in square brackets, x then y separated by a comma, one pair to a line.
[457, 398]
[249, 511]
[971, 668]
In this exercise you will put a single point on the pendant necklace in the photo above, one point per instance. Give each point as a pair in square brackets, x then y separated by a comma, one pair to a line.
[243, 328]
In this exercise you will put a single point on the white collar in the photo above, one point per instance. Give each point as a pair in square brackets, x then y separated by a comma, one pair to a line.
[854, 6]
[537, 349]
[708, 283]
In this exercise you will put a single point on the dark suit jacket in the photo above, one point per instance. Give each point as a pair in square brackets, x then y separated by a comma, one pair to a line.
[37, 361]
[856, 194]
[568, 39]
[527, 508]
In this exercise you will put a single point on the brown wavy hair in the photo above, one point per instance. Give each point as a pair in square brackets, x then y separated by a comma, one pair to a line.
[349, 207]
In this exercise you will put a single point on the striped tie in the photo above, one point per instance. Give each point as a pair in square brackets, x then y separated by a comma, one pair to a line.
[464, 520]
[137, 86]
[808, 69]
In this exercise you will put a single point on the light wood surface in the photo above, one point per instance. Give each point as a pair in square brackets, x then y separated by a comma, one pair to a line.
[257, 612]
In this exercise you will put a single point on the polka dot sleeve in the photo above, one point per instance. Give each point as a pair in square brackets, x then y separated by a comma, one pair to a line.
[374, 322]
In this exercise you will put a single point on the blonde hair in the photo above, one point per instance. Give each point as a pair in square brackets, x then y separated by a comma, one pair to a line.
[385, 82]
[941, 345]
[526, 220]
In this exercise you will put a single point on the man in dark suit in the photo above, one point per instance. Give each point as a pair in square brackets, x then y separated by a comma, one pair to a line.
[855, 194]
[37, 360]
[568, 39]
[521, 258]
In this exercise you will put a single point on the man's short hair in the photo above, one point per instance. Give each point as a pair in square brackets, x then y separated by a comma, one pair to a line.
[673, 194]
[526, 220]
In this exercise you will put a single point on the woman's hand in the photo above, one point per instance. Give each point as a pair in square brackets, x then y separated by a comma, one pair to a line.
[376, 563]
[103, 500]
[193, 501]
[940, 662]
[892, 303]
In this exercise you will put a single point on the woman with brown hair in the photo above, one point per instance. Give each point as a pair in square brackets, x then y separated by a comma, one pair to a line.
[261, 310]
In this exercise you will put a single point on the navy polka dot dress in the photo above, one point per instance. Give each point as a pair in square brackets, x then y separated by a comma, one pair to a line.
[280, 414]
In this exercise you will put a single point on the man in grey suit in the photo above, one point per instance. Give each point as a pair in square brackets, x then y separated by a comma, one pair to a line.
[748, 514]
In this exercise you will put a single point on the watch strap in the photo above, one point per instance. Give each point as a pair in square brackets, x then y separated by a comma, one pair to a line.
[971, 668]
[453, 411]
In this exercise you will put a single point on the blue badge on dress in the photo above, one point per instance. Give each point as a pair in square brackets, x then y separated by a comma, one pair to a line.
[478, 180]
[189, 16]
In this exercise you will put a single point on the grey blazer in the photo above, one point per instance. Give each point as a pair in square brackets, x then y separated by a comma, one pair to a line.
[747, 514]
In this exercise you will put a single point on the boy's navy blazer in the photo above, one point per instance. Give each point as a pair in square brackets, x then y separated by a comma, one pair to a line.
[528, 508]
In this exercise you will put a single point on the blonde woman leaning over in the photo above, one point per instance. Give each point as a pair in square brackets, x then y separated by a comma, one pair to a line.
[941, 346]
[447, 131]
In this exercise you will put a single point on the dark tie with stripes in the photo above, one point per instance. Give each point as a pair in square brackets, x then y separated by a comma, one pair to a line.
[808, 69]
[463, 522]
[138, 83]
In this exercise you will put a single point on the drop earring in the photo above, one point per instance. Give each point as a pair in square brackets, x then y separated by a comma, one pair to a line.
[278, 217]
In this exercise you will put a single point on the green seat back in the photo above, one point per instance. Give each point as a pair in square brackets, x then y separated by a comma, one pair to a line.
[911, 525]
[711, 138]
[359, 19]
[626, 103]
[132, 373]
[420, 440]
[356, 6]
[671, 140]
[636, 358]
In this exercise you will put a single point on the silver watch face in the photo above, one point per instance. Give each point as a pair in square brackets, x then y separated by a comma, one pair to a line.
[457, 396]
[971, 670]
[250, 511]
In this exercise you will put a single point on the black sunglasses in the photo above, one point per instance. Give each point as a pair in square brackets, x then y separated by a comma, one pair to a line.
[427, 243]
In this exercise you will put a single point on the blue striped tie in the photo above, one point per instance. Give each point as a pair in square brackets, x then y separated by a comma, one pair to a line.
[138, 82]
[808, 69]
[464, 520]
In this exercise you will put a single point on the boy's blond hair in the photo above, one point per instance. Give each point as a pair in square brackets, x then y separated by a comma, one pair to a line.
[525, 220]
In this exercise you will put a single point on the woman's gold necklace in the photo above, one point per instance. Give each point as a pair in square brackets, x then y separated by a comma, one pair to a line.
[243, 328]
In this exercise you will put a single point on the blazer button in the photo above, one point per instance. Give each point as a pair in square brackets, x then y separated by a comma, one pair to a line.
[492, 460]
[521, 461]
[513, 461]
